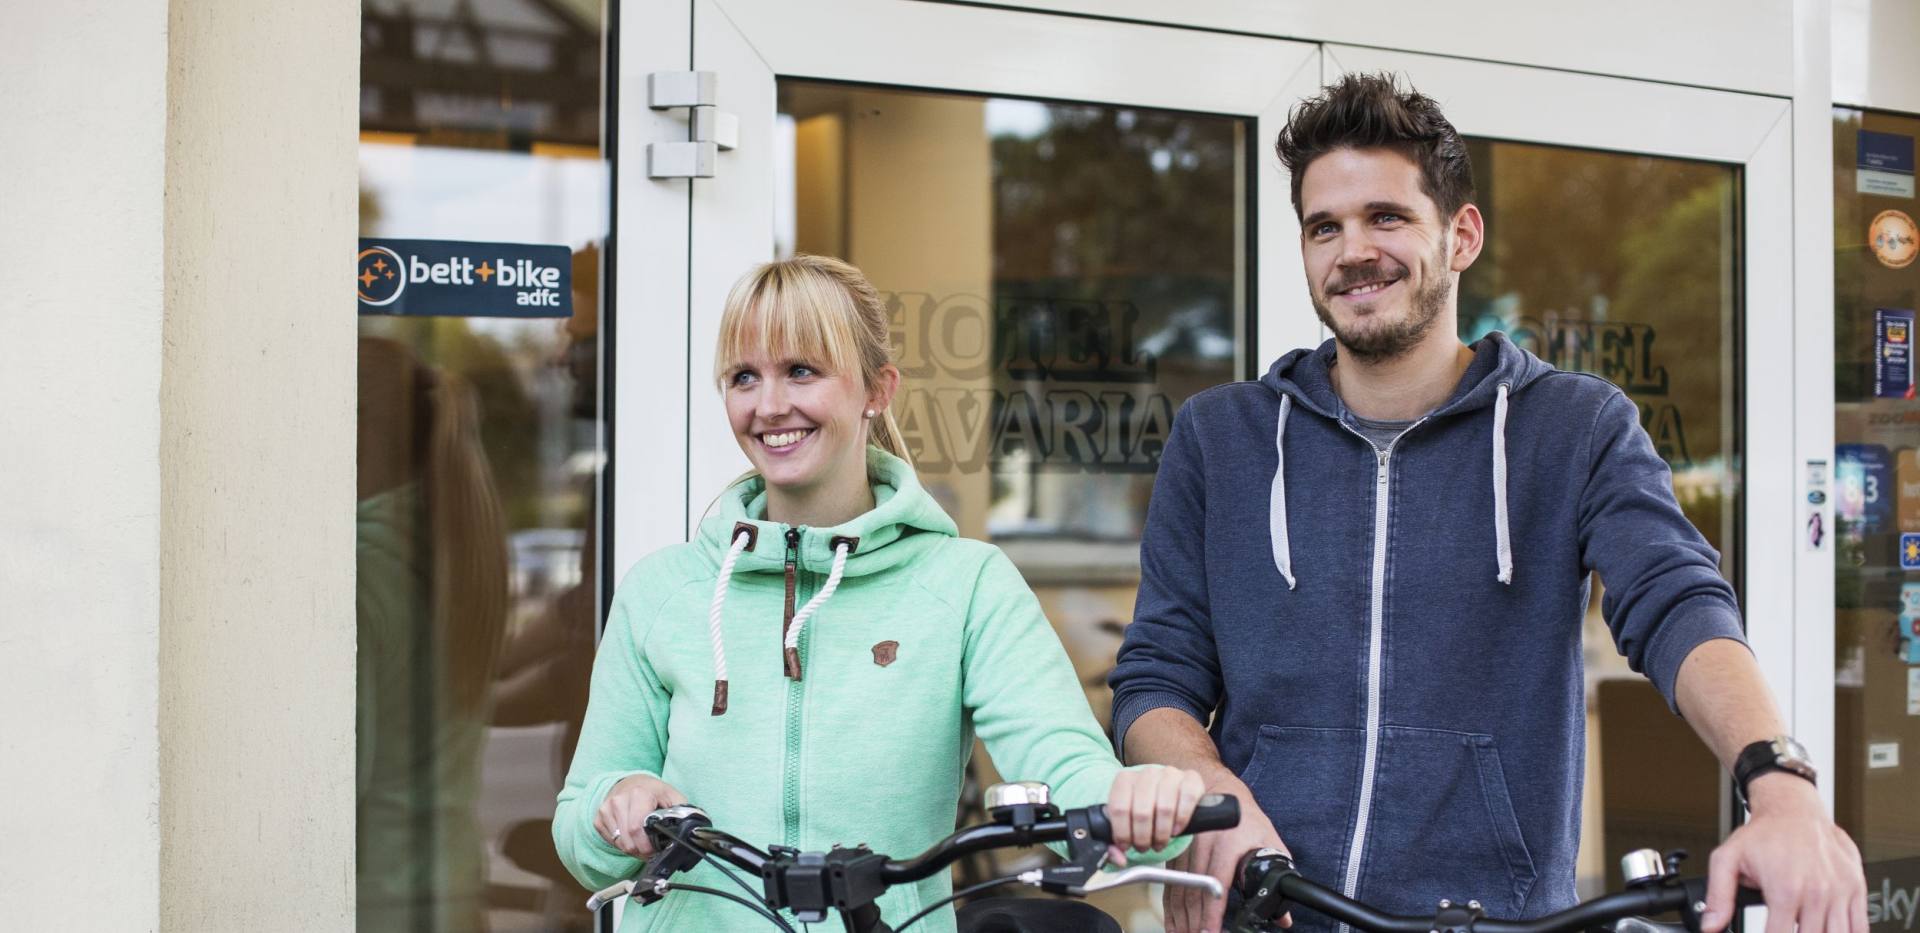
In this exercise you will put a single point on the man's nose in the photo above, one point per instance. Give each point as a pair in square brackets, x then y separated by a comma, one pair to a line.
[1357, 247]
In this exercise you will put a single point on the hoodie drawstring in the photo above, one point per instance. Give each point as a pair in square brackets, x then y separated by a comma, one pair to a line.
[740, 543]
[841, 547]
[1277, 509]
[1503, 543]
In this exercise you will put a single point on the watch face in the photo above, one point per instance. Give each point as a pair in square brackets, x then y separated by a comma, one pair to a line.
[1791, 755]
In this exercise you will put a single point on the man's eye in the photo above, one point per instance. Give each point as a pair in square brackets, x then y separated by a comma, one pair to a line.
[1327, 229]
[1390, 218]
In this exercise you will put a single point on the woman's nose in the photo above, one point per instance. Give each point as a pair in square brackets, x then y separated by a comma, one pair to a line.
[773, 399]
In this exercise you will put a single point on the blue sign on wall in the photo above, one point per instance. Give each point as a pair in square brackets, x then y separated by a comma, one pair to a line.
[1865, 476]
[1884, 165]
[1893, 353]
[454, 278]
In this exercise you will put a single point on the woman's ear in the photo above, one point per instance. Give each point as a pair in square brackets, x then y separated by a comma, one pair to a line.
[880, 393]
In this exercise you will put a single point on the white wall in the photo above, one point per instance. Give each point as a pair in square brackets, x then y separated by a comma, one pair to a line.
[81, 172]
[1876, 54]
[1737, 45]
[176, 370]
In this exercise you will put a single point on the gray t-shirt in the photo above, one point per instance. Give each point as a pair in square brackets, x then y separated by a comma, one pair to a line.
[1381, 433]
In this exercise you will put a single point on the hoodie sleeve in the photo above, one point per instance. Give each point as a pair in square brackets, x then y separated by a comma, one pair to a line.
[1664, 593]
[624, 734]
[1028, 707]
[1169, 657]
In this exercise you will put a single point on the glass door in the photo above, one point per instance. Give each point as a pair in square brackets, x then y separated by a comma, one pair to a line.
[1063, 214]
[1636, 232]
[1079, 223]
[1876, 692]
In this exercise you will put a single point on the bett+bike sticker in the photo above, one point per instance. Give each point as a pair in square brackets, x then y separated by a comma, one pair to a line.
[455, 278]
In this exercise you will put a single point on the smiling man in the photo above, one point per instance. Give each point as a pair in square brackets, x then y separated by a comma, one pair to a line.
[1384, 663]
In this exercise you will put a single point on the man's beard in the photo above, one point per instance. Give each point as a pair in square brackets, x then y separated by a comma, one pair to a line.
[1392, 339]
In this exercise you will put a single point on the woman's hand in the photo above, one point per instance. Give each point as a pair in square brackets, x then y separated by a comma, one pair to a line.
[1149, 806]
[621, 819]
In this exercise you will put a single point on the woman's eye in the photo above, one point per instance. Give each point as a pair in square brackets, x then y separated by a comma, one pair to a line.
[743, 377]
[802, 372]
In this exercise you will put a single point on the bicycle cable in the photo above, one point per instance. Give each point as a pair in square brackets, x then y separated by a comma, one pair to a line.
[756, 908]
[716, 863]
[963, 892]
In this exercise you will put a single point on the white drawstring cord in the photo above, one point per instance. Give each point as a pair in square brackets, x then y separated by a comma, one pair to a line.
[1503, 543]
[840, 550]
[1277, 507]
[740, 543]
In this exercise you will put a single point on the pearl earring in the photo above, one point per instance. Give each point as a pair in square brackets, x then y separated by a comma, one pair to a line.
[869, 412]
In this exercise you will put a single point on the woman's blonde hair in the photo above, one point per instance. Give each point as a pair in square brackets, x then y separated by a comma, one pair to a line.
[813, 308]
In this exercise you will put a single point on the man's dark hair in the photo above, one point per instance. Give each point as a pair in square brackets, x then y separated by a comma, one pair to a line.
[1370, 111]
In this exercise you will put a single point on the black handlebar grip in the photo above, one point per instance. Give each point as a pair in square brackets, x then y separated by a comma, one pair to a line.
[1214, 811]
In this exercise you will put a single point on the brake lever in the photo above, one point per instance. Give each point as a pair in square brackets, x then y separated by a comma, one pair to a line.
[609, 894]
[1148, 874]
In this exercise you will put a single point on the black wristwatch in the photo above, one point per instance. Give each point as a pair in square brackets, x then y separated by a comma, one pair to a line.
[1780, 753]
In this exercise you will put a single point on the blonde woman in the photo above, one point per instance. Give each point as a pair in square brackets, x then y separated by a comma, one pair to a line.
[811, 669]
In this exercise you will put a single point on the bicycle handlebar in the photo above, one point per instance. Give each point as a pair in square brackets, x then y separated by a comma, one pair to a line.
[1270, 884]
[1214, 811]
[850, 880]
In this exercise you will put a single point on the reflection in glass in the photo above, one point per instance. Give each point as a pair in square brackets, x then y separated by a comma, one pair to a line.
[1062, 277]
[1626, 267]
[481, 122]
[1877, 505]
[431, 598]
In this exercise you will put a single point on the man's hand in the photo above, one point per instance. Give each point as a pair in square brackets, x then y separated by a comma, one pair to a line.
[1218, 854]
[1805, 866]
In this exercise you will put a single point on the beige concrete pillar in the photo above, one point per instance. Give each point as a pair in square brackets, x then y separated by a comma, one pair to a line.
[257, 466]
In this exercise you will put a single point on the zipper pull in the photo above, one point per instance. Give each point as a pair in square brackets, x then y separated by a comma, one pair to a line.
[1383, 467]
[791, 656]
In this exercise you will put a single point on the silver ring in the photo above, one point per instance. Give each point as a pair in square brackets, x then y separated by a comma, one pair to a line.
[616, 834]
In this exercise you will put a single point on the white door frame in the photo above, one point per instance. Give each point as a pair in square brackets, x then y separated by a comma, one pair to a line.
[729, 218]
[682, 244]
[1788, 590]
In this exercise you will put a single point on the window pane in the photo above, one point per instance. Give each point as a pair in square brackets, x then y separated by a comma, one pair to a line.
[1626, 267]
[1877, 499]
[1062, 277]
[478, 451]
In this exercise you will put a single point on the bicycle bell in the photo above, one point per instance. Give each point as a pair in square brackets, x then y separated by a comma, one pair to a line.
[1642, 866]
[1020, 803]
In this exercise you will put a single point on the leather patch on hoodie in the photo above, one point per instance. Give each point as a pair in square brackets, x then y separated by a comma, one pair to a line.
[885, 652]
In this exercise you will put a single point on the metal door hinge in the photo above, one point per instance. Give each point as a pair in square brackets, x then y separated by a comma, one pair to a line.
[712, 131]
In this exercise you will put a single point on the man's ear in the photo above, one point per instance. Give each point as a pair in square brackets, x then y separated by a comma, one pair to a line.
[1469, 235]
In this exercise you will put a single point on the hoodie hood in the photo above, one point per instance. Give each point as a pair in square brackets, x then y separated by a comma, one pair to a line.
[1499, 372]
[901, 509]
[1306, 376]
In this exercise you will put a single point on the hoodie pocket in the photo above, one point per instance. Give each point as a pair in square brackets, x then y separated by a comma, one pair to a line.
[1443, 826]
[1305, 780]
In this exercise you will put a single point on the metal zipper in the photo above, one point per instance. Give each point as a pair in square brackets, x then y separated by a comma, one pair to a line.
[796, 695]
[1356, 848]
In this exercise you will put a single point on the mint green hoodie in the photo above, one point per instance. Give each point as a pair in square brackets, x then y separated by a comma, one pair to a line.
[857, 750]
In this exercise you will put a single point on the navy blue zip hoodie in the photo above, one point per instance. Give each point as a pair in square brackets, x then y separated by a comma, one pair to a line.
[1387, 644]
